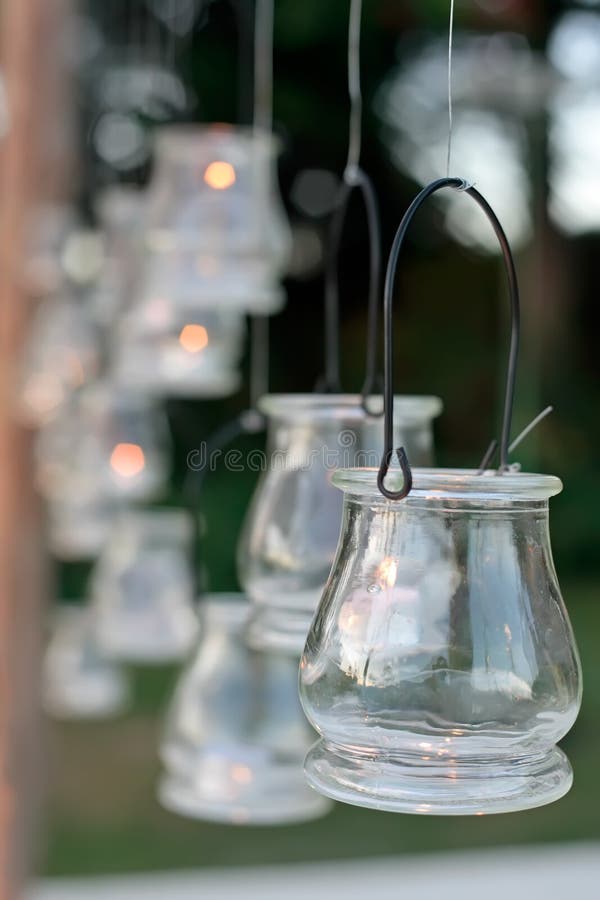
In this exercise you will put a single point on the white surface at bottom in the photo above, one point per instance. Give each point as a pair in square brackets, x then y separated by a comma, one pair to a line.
[552, 872]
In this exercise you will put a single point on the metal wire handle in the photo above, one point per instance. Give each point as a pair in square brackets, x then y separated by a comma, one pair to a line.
[354, 178]
[388, 393]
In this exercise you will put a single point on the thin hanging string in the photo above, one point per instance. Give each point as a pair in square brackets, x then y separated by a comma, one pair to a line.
[262, 124]
[354, 90]
[491, 450]
[331, 381]
[450, 43]
[530, 427]
[263, 65]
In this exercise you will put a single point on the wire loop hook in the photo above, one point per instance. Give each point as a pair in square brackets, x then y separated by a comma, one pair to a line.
[388, 393]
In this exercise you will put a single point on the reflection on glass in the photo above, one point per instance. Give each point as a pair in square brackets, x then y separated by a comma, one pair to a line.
[235, 735]
[292, 527]
[142, 587]
[441, 668]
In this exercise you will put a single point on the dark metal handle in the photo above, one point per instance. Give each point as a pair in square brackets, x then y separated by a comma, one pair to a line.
[354, 178]
[388, 393]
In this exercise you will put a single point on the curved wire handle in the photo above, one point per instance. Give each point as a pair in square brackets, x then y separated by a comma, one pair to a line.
[354, 178]
[388, 394]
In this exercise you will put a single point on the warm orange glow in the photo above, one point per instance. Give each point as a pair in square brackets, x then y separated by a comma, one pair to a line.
[387, 571]
[193, 338]
[219, 175]
[242, 774]
[127, 460]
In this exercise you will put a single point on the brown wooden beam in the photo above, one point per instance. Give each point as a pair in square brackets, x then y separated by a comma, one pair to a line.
[30, 63]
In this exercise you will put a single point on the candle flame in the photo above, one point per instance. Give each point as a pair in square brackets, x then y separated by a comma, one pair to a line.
[387, 571]
[219, 175]
[193, 338]
[127, 460]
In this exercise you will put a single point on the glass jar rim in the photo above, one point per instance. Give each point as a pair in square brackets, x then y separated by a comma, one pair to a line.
[308, 407]
[174, 521]
[180, 142]
[435, 484]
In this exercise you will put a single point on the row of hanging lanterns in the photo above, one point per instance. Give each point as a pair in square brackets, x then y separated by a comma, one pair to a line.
[437, 663]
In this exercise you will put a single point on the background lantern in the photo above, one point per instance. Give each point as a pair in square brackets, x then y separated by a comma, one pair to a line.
[79, 682]
[292, 527]
[235, 733]
[142, 587]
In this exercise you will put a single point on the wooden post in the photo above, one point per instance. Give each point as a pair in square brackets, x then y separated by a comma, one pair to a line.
[30, 63]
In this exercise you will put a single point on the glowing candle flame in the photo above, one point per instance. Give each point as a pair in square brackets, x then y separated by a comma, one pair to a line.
[193, 338]
[219, 175]
[127, 460]
[241, 774]
[387, 571]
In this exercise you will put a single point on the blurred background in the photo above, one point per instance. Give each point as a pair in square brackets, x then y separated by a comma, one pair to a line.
[526, 132]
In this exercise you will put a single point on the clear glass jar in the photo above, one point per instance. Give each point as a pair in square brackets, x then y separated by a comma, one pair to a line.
[142, 587]
[78, 527]
[215, 190]
[164, 351]
[78, 682]
[291, 531]
[235, 734]
[194, 283]
[61, 354]
[441, 669]
[120, 209]
[106, 443]
[216, 231]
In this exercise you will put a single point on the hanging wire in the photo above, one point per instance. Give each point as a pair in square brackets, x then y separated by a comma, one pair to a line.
[450, 43]
[354, 90]
[249, 421]
[460, 185]
[354, 178]
[263, 65]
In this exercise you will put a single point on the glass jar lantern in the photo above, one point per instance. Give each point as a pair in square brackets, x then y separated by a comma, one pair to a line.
[61, 354]
[235, 735]
[142, 587]
[78, 681]
[162, 350]
[291, 532]
[215, 226]
[106, 443]
[441, 668]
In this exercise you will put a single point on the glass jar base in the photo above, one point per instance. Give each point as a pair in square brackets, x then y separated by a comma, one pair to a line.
[278, 628]
[412, 786]
[180, 796]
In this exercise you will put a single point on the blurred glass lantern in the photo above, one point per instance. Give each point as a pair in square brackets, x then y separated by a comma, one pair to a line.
[61, 354]
[50, 226]
[142, 588]
[78, 682]
[235, 735]
[78, 526]
[120, 211]
[196, 282]
[163, 351]
[215, 226]
[292, 528]
[108, 443]
[441, 668]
